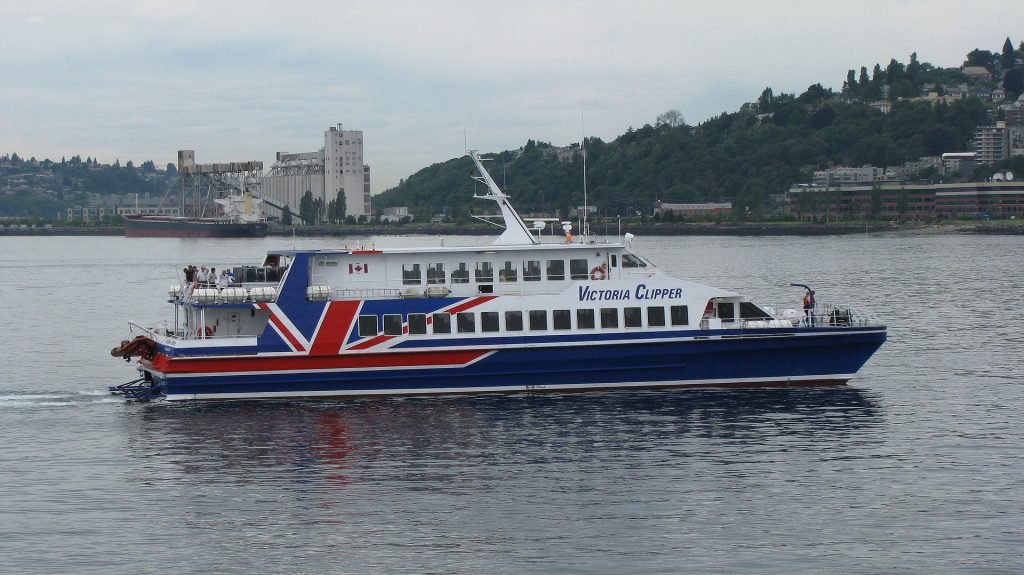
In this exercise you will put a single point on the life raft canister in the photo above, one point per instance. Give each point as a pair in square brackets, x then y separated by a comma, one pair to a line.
[598, 273]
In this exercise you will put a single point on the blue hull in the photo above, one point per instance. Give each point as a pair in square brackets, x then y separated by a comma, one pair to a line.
[765, 358]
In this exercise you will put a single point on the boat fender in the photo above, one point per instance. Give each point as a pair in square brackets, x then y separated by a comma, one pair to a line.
[598, 273]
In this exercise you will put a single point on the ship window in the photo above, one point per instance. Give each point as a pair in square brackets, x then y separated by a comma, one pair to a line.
[538, 319]
[392, 324]
[631, 261]
[584, 319]
[680, 315]
[578, 270]
[508, 272]
[513, 321]
[531, 270]
[484, 272]
[417, 323]
[561, 319]
[656, 316]
[615, 261]
[751, 311]
[726, 311]
[411, 274]
[435, 273]
[556, 270]
[609, 317]
[631, 317]
[466, 321]
[488, 321]
[442, 322]
[367, 325]
[460, 275]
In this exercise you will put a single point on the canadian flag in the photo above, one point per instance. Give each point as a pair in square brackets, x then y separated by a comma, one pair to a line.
[358, 268]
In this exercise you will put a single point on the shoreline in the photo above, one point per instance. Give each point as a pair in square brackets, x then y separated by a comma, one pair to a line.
[649, 229]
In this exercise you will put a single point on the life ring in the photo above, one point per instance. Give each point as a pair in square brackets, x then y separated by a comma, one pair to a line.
[598, 273]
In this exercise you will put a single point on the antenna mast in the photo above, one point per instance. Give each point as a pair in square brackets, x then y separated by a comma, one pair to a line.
[583, 150]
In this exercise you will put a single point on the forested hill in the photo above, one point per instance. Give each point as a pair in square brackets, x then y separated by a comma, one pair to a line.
[742, 157]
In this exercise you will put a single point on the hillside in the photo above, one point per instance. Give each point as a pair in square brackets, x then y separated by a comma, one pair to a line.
[744, 156]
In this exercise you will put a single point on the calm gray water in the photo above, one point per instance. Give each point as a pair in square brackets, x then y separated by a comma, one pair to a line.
[915, 467]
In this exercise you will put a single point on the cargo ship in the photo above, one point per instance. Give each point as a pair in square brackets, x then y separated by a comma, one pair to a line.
[241, 217]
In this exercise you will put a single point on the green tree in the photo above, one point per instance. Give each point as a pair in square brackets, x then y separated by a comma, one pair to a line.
[850, 86]
[914, 70]
[286, 216]
[766, 102]
[982, 58]
[340, 210]
[670, 118]
[306, 208]
[1007, 59]
[1013, 82]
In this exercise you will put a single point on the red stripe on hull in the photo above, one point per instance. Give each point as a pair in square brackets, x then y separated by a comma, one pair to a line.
[372, 342]
[214, 365]
[471, 303]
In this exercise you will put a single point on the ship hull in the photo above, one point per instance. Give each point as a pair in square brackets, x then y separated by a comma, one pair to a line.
[829, 356]
[161, 227]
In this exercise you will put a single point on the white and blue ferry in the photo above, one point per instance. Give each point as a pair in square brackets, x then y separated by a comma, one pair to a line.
[518, 315]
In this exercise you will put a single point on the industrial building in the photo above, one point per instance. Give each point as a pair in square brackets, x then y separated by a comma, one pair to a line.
[335, 169]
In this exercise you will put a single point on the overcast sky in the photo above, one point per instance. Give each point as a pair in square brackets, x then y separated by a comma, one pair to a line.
[138, 80]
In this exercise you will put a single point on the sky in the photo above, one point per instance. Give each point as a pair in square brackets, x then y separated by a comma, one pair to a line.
[241, 80]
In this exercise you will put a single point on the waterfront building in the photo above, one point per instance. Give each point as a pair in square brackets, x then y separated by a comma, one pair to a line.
[992, 143]
[996, 200]
[700, 209]
[337, 168]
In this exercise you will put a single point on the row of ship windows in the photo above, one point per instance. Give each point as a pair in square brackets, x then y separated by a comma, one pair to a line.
[536, 320]
[509, 271]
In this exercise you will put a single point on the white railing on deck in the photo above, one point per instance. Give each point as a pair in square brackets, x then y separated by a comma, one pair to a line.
[365, 293]
[823, 315]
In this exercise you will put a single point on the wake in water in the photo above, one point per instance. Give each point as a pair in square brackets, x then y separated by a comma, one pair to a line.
[78, 398]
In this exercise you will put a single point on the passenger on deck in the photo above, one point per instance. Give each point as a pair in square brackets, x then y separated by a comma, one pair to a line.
[223, 280]
[202, 277]
[809, 306]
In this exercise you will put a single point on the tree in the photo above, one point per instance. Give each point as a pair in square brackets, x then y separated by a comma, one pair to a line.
[850, 87]
[766, 102]
[1013, 82]
[1007, 59]
[286, 217]
[671, 118]
[338, 209]
[823, 118]
[914, 70]
[893, 72]
[982, 58]
[814, 94]
[306, 208]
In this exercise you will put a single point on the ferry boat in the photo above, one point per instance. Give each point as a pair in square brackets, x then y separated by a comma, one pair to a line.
[515, 316]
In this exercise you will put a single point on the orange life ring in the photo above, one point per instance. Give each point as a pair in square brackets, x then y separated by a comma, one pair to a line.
[598, 273]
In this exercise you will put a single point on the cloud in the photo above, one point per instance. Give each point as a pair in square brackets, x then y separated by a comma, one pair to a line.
[242, 80]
